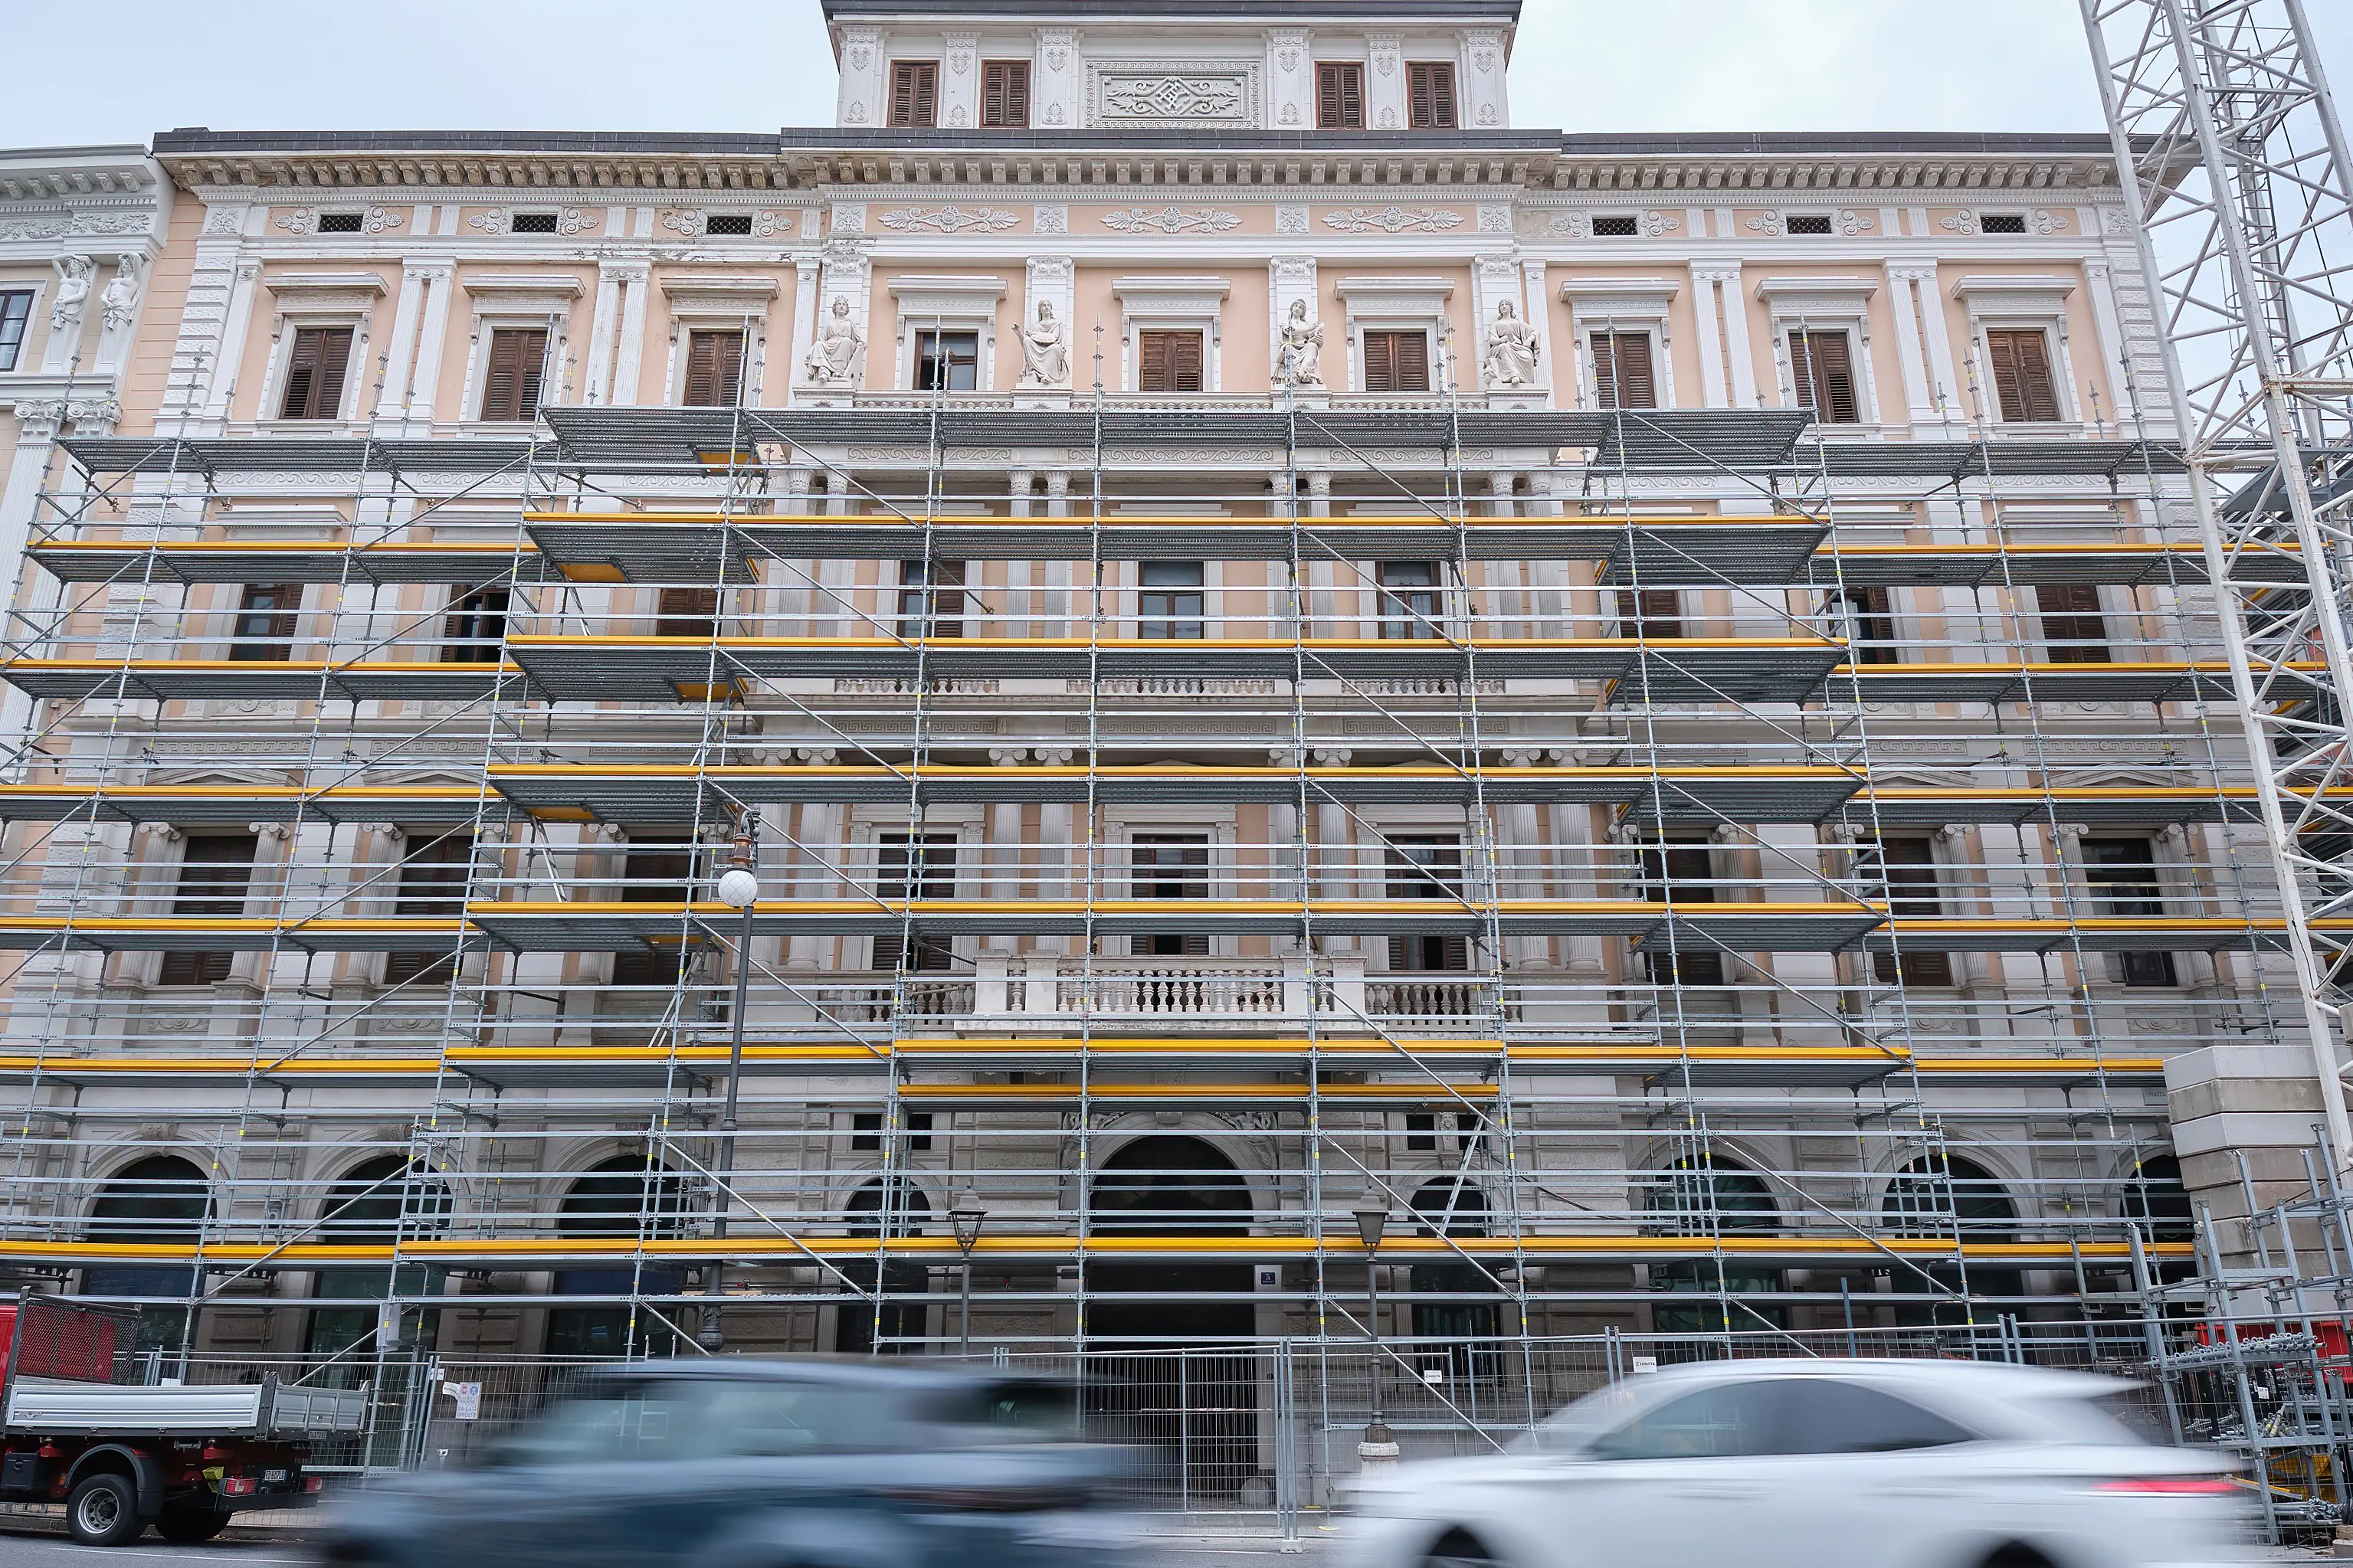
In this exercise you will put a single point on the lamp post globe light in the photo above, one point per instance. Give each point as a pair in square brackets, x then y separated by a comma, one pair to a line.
[967, 1214]
[739, 889]
[1378, 1451]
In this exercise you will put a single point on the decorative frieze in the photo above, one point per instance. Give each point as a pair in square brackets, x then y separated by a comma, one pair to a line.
[1393, 220]
[1171, 220]
[948, 220]
[1174, 94]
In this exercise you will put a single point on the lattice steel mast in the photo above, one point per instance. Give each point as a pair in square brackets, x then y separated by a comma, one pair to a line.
[2240, 193]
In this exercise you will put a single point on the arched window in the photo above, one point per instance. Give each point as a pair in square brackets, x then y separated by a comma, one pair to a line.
[1709, 1195]
[2157, 1201]
[161, 1200]
[885, 1321]
[1170, 1184]
[1942, 1194]
[1939, 1194]
[380, 1200]
[625, 1195]
[1468, 1331]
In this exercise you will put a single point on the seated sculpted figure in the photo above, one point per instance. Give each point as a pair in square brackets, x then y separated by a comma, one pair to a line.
[1045, 350]
[832, 360]
[1299, 355]
[1511, 357]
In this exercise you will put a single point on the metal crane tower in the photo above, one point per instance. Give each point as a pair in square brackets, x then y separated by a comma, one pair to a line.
[2240, 187]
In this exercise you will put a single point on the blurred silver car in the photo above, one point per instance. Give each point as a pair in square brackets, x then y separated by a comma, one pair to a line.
[1806, 1464]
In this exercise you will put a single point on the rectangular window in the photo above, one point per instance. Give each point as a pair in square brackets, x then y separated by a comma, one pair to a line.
[2001, 223]
[216, 874]
[687, 613]
[1681, 874]
[1808, 222]
[314, 373]
[511, 379]
[647, 966]
[1339, 96]
[1621, 371]
[714, 370]
[1616, 226]
[731, 226]
[1420, 1130]
[1426, 866]
[342, 223]
[1003, 95]
[475, 627]
[433, 875]
[1168, 865]
[866, 1130]
[264, 629]
[1397, 361]
[1167, 360]
[1908, 867]
[1864, 619]
[1822, 373]
[947, 362]
[1168, 601]
[2020, 364]
[660, 871]
[531, 223]
[2122, 876]
[1410, 599]
[2073, 631]
[931, 599]
[914, 94]
[1652, 614]
[1430, 95]
[16, 315]
[909, 865]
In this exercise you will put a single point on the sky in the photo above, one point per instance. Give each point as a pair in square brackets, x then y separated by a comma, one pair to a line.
[756, 65]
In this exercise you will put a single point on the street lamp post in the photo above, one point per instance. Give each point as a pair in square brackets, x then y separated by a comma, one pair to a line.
[738, 889]
[1378, 1451]
[967, 1214]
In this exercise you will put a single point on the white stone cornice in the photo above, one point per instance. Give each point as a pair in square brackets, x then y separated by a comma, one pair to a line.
[302, 285]
[1856, 290]
[1996, 285]
[496, 283]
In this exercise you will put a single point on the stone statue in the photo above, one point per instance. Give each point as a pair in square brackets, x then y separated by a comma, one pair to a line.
[1510, 360]
[1045, 351]
[120, 300]
[1299, 355]
[832, 360]
[73, 292]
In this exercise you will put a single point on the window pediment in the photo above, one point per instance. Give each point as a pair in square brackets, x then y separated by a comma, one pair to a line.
[1193, 299]
[514, 294]
[1391, 299]
[730, 295]
[325, 293]
[926, 296]
[1832, 297]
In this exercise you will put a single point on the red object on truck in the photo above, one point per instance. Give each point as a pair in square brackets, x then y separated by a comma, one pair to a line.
[76, 1428]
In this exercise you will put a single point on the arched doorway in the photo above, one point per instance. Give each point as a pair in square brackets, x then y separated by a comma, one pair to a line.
[376, 1203]
[1943, 1196]
[161, 1200]
[894, 1321]
[1194, 1408]
[1467, 1333]
[1710, 1196]
[625, 1196]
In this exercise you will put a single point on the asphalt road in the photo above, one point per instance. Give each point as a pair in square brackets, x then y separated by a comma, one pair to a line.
[32, 1543]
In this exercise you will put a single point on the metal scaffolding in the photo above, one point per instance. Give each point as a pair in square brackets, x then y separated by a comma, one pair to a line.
[1544, 827]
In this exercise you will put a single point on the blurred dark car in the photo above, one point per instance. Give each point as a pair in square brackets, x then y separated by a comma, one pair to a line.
[738, 1463]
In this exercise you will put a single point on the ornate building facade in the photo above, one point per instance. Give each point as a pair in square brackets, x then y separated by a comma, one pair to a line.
[1274, 644]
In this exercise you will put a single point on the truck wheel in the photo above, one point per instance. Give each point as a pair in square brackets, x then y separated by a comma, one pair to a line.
[187, 1525]
[104, 1511]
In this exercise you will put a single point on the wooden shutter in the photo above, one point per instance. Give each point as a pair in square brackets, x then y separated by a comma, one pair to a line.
[1649, 613]
[1396, 361]
[1822, 374]
[1339, 96]
[2073, 627]
[714, 369]
[1167, 360]
[2020, 362]
[687, 613]
[1623, 375]
[914, 92]
[511, 384]
[314, 372]
[1430, 95]
[1004, 94]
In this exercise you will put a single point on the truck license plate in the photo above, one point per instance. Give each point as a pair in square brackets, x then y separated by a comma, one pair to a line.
[273, 1474]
